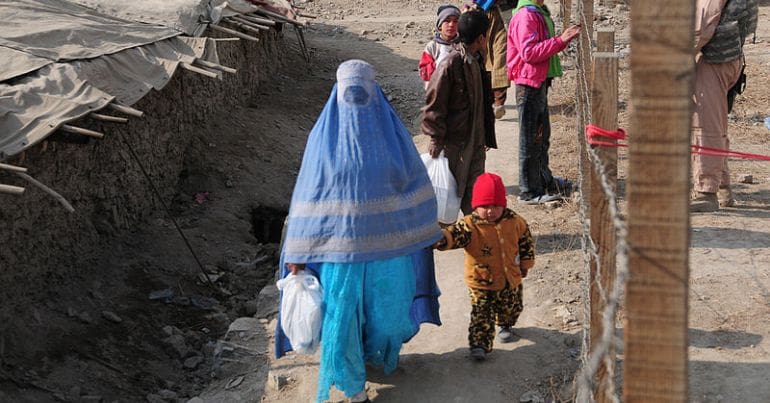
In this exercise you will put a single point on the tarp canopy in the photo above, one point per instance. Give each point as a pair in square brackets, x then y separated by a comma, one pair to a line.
[188, 16]
[61, 60]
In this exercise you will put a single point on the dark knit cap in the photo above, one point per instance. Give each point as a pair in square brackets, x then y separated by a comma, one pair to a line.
[445, 11]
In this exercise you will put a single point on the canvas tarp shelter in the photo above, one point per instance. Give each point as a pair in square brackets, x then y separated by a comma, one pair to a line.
[60, 61]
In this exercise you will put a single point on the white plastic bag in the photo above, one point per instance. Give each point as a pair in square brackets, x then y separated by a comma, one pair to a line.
[444, 185]
[301, 311]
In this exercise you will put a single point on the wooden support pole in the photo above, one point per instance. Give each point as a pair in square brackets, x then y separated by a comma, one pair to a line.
[566, 13]
[199, 70]
[662, 71]
[205, 63]
[81, 131]
[585, 17]
[126, 110]
[12, 168]
[107, 118]
[11, 190]
[249, 23]
[278, 17]
[233, 33]
[258, 20]
[604, 111]
[53, 193]
[243, 26]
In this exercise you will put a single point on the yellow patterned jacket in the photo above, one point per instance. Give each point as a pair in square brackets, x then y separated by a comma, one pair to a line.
[494, 252]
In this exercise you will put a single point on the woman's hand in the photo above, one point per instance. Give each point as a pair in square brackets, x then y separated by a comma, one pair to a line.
[295, 268]
[570, 33]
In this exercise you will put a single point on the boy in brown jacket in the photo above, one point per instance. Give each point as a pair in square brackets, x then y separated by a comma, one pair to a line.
[498, 253]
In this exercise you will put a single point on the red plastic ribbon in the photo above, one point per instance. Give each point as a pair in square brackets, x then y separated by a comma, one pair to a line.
[595, 133]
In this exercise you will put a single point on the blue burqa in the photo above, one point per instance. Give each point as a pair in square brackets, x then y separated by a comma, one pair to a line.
[362, 218]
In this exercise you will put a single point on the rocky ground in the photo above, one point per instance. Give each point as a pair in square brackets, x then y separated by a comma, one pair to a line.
[157, 331]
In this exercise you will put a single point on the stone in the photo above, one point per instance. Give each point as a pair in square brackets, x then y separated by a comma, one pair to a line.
[747, 179]
[196, 399]
[111, 316]
[178, 345]
[153, 398]
[531, 396]
[277, 381]
[167, 394]
[267, 301]
[85, 317]
[250, 308]
[193, 362]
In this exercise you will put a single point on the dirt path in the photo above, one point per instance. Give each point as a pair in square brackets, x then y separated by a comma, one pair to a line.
[730, 251]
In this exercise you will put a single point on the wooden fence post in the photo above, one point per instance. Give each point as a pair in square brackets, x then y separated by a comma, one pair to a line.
[604, 110]
[662, 66]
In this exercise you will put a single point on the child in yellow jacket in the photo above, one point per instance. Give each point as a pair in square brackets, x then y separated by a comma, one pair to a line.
[498, 253]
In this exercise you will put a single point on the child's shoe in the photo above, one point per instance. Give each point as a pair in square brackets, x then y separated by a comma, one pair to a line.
[506, 335]
[478, 354]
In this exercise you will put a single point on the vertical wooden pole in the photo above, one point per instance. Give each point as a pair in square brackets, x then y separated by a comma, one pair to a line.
[662, 70]
[566, 13]
[604, 110]
[585, 17]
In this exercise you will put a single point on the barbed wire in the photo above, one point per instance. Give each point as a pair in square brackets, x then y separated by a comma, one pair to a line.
[592, 360]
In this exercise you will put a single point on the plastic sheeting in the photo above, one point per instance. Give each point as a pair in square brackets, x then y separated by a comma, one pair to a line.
[188, 16]
[34, 106]
[59, 31]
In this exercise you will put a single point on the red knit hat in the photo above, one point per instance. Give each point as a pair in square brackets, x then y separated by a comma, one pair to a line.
[488, 190]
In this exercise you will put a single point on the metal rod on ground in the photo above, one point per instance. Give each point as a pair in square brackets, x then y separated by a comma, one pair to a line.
[12, 168]
[250, 23]
[55, 194]
[258, 20]
[107, 118]
[604, 110]
[215, 66]
[225, 39]
[244, 26]
[233, 33]
[81, 131]
[11, 190]
[655, 366]
[199, 70]
[166, 209]
[126, 110]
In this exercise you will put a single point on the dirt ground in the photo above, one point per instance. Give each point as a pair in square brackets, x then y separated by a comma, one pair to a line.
[168, 337]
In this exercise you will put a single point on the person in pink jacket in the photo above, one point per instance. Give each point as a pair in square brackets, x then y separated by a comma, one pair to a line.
[532, 63]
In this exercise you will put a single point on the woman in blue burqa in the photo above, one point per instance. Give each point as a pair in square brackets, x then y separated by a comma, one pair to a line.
[362, 214]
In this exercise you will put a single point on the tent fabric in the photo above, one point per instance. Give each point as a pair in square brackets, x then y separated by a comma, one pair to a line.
[61, 60]
[60, 31]
[38, 104]
[188, 16]
[14, 63]
[34, 106]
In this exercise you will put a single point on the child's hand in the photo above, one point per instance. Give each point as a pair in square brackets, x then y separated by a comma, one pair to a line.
[570, 33]
[439, 244]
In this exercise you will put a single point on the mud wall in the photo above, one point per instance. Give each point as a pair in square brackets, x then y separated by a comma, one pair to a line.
[42, 245]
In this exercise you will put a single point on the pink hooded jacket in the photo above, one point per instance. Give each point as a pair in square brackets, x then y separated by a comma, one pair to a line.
[530, 48]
